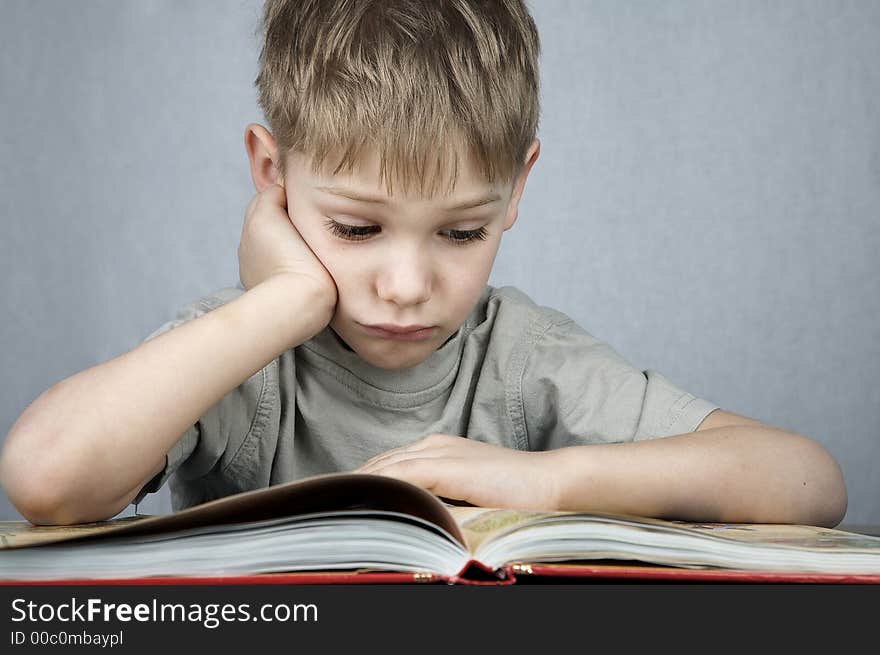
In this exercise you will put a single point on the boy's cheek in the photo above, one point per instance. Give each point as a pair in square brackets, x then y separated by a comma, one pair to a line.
[340, 266]
[472, 278]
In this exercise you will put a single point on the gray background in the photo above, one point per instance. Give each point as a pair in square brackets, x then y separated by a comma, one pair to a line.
[707, 199]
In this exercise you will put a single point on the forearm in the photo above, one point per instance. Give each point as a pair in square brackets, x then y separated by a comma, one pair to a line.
[731, 474]
[92, 438]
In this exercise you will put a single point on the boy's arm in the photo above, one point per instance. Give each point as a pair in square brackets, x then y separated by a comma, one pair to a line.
[85, 447]
[737, 470]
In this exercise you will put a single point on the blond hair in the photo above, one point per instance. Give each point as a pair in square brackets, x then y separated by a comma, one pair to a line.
[418, 81]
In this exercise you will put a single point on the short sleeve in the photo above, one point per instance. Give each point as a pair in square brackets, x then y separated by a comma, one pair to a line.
[577, 390]
[201, 448]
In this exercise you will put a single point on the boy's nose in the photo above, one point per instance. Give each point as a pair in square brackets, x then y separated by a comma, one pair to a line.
[405, 280]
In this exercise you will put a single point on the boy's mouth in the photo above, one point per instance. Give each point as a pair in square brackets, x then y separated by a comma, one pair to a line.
[404, 332]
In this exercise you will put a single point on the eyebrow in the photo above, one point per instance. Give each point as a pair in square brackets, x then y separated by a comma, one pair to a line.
[353, 195]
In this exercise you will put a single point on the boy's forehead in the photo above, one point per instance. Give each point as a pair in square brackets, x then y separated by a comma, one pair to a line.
[364, 180]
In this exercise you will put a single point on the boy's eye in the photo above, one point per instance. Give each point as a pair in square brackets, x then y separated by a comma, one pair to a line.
[351, 232]
[361, 232]
[464, 236]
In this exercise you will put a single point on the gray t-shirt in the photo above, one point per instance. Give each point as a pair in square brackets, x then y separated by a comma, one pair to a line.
[516, 374]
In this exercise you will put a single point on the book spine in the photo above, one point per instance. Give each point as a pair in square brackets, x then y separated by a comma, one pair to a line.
[477, 573]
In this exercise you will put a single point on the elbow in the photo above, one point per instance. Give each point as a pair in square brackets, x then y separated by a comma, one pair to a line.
[828, 499]
[838, 512]
[33, 503]
[37, 510]
[39, 491]
[30, 492]
[42, 507]
[26, 473]
[835, 504]
[830, 512]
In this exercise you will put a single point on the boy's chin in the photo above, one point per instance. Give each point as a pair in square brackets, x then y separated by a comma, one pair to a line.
[397, 358]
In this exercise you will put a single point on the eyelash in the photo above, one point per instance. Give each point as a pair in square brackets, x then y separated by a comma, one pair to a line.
[362, 232]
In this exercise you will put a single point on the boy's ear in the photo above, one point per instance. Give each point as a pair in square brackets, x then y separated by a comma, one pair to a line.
[519, 185]
[262, 153]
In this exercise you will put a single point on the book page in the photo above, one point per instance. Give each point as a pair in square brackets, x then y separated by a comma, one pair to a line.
[15, 534]
[318, 493]
[797, 536]
[479, 523]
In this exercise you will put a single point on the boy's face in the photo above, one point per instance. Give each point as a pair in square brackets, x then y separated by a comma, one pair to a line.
[400, 261]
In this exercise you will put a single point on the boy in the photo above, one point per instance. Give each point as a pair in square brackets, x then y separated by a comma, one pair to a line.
[364, 336]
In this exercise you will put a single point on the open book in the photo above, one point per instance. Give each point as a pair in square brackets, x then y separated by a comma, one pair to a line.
[346, 527]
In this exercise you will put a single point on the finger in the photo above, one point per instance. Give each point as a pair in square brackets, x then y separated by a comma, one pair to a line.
[395, 458]
[446, 477]
[376, 458]
[401, 455]
[429, 444]
[413, 471]
[415, 446]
